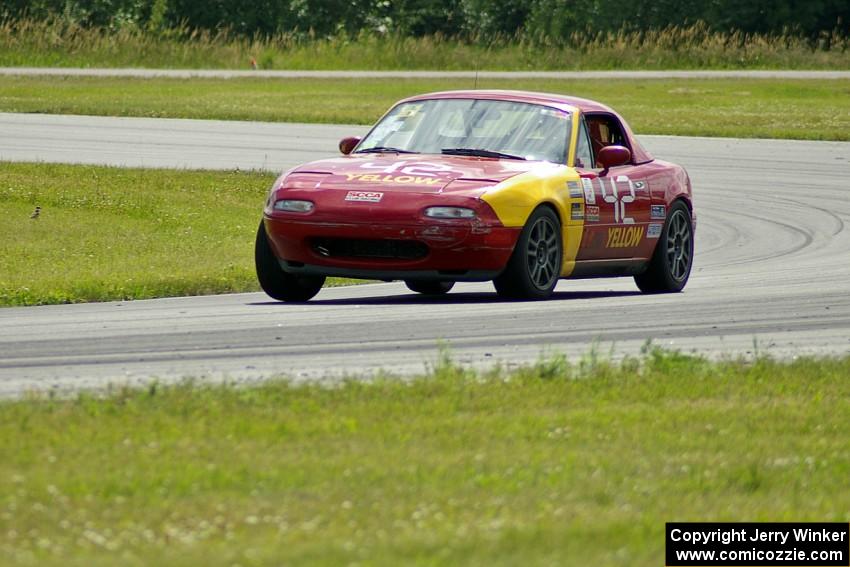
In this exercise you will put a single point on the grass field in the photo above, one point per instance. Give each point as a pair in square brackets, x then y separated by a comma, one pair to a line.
[110, 233]
[556, 464]
[818, 110]
[66, 44]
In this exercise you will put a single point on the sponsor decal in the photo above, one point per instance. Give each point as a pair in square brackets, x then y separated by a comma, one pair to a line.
[591, 213]
[589, 195]
[404, 172]
[555, 113]
[364, 196]
[400, 179]
[408, 167]
[658, 212]
[575, 189]
[575, 212]
[409, 110]
[654, 230]
[624, 236]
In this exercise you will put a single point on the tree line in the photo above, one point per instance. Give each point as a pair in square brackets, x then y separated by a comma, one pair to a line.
[475, 20]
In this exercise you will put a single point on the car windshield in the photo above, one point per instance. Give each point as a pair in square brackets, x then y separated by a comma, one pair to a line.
[473, 127]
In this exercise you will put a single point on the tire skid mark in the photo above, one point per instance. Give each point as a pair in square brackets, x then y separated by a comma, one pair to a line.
[807, 239]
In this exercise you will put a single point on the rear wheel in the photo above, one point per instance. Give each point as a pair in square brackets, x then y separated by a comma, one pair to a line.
[277, 283]
[535, 265]
[429, 287]
[671, 262]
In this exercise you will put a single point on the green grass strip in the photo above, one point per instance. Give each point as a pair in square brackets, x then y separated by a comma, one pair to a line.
[554, 464]
[111, 233]
[810, 110]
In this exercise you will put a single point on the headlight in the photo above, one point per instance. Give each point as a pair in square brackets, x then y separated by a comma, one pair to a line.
[449, 213]
[293, 206]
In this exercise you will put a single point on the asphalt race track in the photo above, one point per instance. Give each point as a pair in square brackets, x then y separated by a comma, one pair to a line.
[772, 275]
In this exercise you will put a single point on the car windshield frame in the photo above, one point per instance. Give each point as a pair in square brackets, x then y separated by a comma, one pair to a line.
[475, 127]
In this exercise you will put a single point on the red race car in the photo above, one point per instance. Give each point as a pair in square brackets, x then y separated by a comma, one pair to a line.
[515, 187]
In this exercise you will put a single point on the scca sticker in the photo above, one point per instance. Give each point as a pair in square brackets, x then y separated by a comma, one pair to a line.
[364, 196]
[591, 213]
[624, 236]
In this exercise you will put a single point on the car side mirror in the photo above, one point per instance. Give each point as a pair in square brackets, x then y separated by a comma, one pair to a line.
[346, 145]
[612, 156]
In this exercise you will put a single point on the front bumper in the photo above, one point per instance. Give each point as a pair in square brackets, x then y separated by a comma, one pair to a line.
[455, 251]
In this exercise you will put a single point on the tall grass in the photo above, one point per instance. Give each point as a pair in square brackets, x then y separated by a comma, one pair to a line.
[60, 42]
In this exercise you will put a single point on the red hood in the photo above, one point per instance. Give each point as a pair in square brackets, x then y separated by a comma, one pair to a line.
[406, 172]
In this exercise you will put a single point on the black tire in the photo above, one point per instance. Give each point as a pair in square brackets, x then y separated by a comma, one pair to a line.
[671, 262]
[429, 287]
[535, 265]
[277, 283]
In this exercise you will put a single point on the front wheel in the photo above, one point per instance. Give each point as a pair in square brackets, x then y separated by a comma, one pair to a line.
[535, 265]
[429, 287]
[277, 283]
[671, 262]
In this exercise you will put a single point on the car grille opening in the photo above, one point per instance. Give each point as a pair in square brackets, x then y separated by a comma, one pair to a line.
[363, 248]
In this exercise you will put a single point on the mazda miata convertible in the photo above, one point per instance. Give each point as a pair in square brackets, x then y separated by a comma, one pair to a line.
[515, 187]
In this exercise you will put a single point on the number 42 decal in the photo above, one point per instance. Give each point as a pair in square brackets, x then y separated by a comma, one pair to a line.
[618, 200]
[610, 193]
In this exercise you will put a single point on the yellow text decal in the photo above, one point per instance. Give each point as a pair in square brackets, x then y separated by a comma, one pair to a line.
[401, 179]
[624, 236]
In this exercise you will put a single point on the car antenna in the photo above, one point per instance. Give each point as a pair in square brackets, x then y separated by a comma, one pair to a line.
[475, 84]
